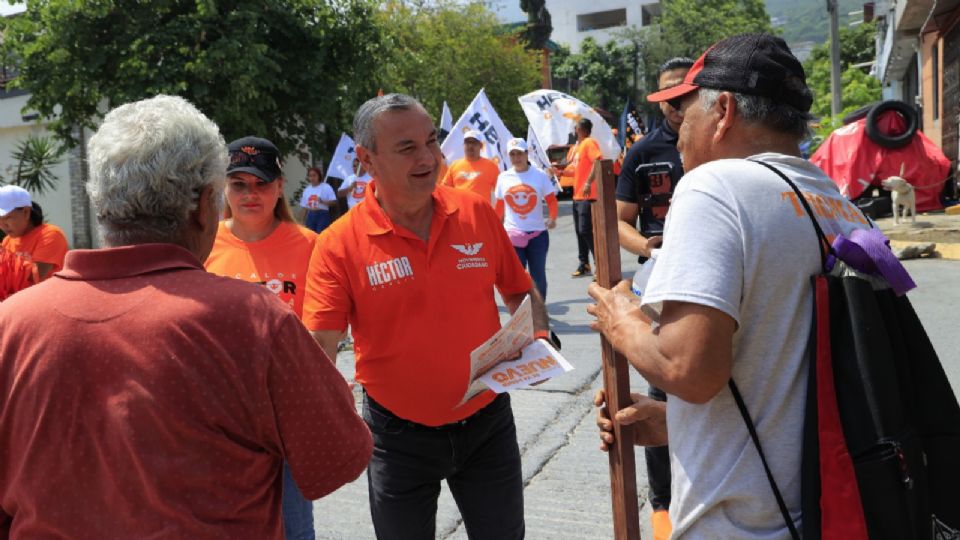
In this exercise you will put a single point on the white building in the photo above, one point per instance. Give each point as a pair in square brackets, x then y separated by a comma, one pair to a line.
[576, 20]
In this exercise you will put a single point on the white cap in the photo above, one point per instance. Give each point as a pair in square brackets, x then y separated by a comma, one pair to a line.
[13, 197]
[472, 134]
[516, 144]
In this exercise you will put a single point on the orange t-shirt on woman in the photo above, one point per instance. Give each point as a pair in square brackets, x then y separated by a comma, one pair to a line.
[46, 243]
[278, 262]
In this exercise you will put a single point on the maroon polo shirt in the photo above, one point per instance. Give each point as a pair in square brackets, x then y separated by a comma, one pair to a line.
[142, 397]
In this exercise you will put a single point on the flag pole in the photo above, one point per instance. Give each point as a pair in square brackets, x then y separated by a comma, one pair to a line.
[616, 376]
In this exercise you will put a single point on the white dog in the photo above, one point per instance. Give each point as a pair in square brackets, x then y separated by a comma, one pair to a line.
[902, 195]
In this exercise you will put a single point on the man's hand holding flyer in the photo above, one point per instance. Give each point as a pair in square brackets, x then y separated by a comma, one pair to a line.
[494, 364]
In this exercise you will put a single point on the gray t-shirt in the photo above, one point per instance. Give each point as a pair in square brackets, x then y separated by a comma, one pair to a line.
[738, 240]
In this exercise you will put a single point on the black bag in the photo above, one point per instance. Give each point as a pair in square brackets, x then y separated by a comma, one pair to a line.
[881, 448]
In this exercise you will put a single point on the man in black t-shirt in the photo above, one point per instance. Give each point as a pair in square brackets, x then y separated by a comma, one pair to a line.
[650, 172]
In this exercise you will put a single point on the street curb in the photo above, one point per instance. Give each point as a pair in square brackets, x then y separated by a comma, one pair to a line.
[945, 250]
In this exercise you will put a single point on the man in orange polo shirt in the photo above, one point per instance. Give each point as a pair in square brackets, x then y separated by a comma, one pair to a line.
[473, 172]
[413, 269]
[585, 153]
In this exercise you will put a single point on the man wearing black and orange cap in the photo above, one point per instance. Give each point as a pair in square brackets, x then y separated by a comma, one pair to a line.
[730, 296]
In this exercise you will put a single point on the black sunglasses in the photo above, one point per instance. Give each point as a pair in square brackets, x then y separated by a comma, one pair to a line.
[261, 160]
[675, 103]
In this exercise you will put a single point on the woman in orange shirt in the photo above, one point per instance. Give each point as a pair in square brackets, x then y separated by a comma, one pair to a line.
[259, 241]
[21, 220]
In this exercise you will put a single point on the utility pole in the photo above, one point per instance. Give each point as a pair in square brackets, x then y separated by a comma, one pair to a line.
[833, 10]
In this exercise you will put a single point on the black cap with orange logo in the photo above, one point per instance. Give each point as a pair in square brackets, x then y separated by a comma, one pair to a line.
[256, 156]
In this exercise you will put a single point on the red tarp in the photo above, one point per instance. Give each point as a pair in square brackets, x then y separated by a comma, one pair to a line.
[848, 155]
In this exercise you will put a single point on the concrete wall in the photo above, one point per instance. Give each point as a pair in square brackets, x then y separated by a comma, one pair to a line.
[564, 17]
[294, 172]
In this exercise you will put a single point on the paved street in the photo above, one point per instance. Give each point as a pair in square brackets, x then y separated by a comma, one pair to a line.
[566, 477]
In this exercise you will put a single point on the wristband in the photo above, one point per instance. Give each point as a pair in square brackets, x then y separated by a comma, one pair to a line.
[542, 334]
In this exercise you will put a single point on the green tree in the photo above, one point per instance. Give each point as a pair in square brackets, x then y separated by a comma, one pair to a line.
[445, 51]
[807, 21]
[604, 72]
[690, 26]
[36, 155]
[687, 28]
[858, 88]
[539, 23]
[282, 69]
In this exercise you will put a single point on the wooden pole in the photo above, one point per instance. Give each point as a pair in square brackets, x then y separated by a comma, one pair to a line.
[616, 375]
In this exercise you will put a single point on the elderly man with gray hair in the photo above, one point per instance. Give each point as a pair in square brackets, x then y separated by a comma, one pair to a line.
[730, 298]
[141, 396]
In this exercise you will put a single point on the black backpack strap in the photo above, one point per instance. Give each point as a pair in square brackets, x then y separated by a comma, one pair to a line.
[763, 459]
[806, 206]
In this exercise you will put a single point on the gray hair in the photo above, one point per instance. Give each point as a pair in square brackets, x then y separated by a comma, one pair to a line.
[763, 110]
[148, 163]
[368, 113]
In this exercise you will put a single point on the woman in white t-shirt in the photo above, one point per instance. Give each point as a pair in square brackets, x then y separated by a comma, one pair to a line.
[520, 194]
[316, 201]
[354, 188]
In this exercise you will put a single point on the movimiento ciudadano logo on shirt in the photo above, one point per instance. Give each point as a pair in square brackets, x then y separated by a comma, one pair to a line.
[389, 272]
[468, 249]
[471, 260]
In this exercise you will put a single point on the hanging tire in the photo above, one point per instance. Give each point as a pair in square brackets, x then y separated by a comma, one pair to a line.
[888, 141]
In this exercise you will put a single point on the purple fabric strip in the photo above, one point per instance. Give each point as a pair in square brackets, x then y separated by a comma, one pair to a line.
[868, 251]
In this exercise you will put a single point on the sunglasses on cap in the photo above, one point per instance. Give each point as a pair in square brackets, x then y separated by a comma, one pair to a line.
[261, 160]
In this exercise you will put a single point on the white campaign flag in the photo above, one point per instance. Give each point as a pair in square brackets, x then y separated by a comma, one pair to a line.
[481, 117]
[536, 152]
[538, 155]
[553, 115]
[446, 122]
[341, 164]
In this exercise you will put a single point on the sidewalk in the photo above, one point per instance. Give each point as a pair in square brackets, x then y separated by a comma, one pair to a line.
[938, 228]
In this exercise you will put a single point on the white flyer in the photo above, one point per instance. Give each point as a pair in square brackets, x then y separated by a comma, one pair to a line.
[539, 362]
[491, 357]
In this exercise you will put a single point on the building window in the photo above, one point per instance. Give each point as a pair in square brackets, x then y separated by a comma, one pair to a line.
[646, 16]
[935, 62]
[601, 20]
